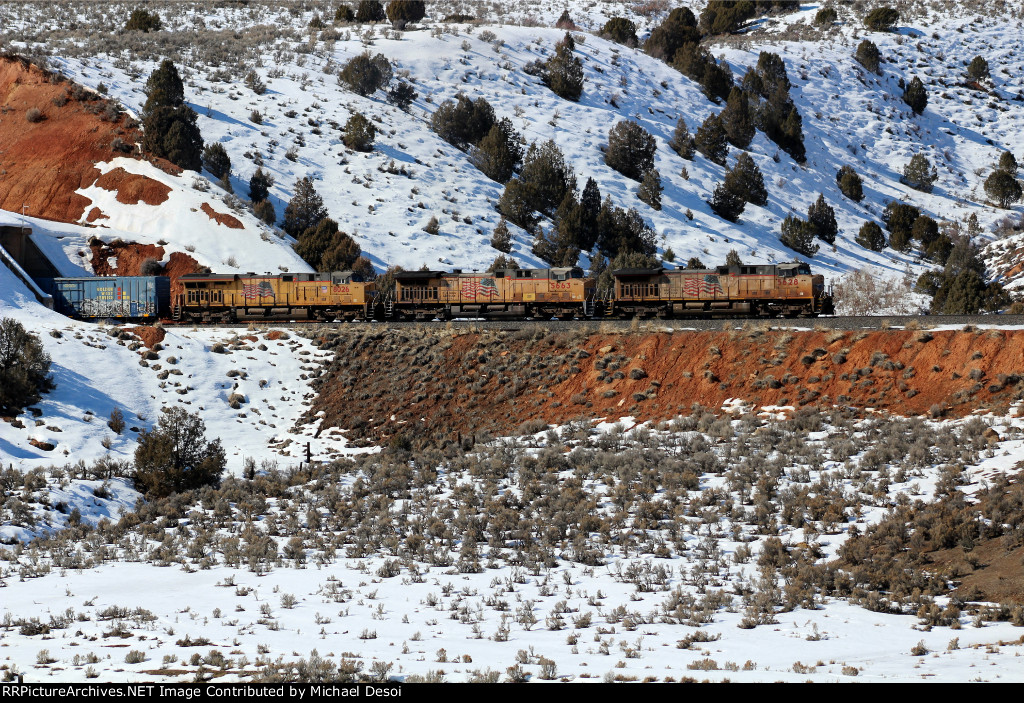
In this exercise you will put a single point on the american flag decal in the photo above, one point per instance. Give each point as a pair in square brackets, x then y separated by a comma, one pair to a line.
[694, 286]
[483, 287]
[263, 289]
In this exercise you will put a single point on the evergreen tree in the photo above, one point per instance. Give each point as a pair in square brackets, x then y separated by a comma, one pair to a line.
[725, 16]
[1008, 163]
[499, 155]
[630, 150]
[402, 95]
[517, 203]
[925, 230]
[259, 186]
[1003, 188]
[344, 13]
[726, 204]
[961, 288]
[771, 69]
[564, 71]
[745, 181]
[798, 236]
[370, 11]
[737, 119]
[175, 455]
[501, 239]
[978, 69]
[916, 96]
[695, 264]
[359, 133]
[919, 173]
[305, 209]
[142, 20]
[682, 141]
[899, 220]
[169, 125]
[850, 184]
[548, 175]
[565, 21]
[502, 263]
[871, 237]
[822, 218]
[590, 208]
[216, 160]
[264, 209]
[569, 223]
[401, 11]
[164, 88]
[733, 258]
[650, 189]
[24, 367]
[869, 56]
[882, 19]
[326, 248]
[463, 123]
[621, 30]
[712, 141]
[623, 231]
[364, 74]
[543, 248]
[679, 28]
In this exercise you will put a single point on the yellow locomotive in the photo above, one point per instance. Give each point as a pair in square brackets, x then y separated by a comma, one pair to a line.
[521, 293]
[788, 290]
[339, 295]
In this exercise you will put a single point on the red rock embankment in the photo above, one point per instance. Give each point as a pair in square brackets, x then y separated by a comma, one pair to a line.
[443, 383]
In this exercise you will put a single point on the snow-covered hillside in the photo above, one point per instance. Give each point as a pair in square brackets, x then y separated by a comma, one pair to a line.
[385, 198]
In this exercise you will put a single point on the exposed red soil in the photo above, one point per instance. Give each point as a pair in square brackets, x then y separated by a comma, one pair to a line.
[472, 382]
[221, 218]
[44, 162]
[132, 188]
[150, 336]
[95, 214]
[130, 257]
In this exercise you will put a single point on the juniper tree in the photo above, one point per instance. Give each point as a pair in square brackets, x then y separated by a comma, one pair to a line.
[630, 149]
[174, 456]
[216, 160]
[726, 204]
[305, 209]
[798, 235]
[978, 69]
[678, 28]
[142, 20]
[925, 230]
[682, 141]
[370, 11]
[359, 133]
[881, 19]
[24, 367]
[621, 30]
[550, 177]
[822, 218]
[463, 123]
[737, 119]
[869, 56]
[499, 155]
[899, 220]
[169, 125]
[564, 71]
[1007, 162]
[259, 186]
[650, 189]
[364, 74]
[870, 236]
[916, 96]
[712, 141]
[733, 258]
[724, 16]
[501, 238]
[850, 184]
[399, 11]
[919, 173]
[1003, 188]
[745, 181]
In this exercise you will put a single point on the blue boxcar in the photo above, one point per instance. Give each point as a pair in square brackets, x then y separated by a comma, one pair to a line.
[117, 297]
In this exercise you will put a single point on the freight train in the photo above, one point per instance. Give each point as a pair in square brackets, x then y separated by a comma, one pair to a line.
[769, 290]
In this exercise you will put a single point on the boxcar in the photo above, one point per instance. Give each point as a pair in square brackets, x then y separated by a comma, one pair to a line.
[766, 290]
[540, 293]
[231, 297]
[115, 297]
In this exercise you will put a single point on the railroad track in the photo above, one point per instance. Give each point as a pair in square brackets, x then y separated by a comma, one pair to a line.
[876, 322]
